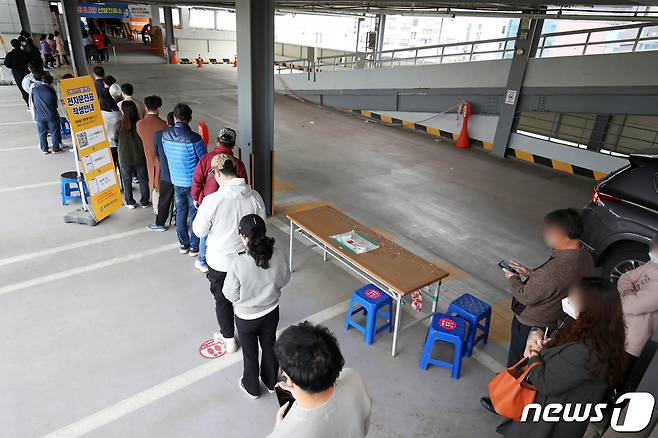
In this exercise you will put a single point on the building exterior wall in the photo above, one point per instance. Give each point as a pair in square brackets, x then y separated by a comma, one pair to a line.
[37, 10]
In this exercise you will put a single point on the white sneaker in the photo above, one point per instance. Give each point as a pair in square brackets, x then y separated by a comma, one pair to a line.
[200, 267]
[253, 397]
[230, 344]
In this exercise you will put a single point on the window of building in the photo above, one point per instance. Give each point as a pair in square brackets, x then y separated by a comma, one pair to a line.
[202, 18]
[226, 20]
[175, 16]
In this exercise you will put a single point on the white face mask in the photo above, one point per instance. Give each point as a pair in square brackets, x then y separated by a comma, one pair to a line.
[653, 256]
[568, 308]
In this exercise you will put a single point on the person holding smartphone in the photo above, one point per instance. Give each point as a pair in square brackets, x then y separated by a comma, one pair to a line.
[537, 293]
[253, 284]
[330, 401]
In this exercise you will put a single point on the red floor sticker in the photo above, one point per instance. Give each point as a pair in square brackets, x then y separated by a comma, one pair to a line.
[211, 349]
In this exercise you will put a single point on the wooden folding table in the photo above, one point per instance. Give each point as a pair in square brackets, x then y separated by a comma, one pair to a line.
[395, 270]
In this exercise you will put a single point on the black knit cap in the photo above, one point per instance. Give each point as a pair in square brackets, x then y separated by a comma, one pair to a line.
[251, 224]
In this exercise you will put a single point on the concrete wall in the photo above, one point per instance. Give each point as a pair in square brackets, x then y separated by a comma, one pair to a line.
[38, 12]
[611, 70]
[458, 75]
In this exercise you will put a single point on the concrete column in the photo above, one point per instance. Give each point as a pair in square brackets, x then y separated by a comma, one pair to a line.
[185, 17]
[22, 15]
[527, 39]
[155, 15]
[255, 44]
[380, 36]
[169, 33]
[599, 131]
[76, 47]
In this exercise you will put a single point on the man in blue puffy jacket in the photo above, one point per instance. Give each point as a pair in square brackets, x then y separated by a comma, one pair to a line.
[183, 149]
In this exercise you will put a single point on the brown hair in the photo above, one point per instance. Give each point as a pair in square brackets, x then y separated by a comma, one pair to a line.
[600, 327]
[130, 116]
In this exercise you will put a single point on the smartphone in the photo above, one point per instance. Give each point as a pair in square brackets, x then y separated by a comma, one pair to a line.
[504, 264]
[284, 396]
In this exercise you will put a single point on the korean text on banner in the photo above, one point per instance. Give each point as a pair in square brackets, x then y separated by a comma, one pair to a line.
[90, 141]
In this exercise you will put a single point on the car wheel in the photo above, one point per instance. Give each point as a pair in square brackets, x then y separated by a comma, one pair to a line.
[623, 259]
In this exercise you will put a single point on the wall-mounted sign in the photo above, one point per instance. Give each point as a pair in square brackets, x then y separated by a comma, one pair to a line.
[510, 97]
[104, 10]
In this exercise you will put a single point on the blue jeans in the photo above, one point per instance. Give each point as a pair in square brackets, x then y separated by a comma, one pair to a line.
[185, 211]
[54, 127]
[202, 251]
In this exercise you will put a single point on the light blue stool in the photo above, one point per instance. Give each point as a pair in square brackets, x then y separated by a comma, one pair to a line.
[69, 188]
[371, 300]
[473, 310]
[448, 329]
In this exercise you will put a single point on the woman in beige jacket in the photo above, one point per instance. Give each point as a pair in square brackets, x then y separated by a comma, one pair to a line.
[639, 300]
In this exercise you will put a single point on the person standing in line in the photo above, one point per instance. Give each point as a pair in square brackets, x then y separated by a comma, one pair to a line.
[29, 81]
[98, 74]
[34, 52]
[579, 363]
[253, 284]
[183, 149]
[536, 300]
[218, 219]
[111, 117]
[108, 81]
[131, 156]
[53, 49]
[166, 188]
[204, 183]
[639, 301]
[46, 115]
[60, 46]
[127, 91]
[330, 401]
[17, 61]
[46, 51]
[146, 128]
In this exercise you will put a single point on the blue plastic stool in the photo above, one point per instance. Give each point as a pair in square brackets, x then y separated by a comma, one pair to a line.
[446, 329]
[69, 188]
[473, 310]
[371, 300]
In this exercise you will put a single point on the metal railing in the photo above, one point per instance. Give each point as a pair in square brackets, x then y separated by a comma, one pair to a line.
[497, 48]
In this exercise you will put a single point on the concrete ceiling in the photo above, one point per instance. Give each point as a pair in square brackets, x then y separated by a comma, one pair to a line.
[569, 8]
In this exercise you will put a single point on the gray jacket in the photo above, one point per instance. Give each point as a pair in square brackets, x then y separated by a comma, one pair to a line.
[252, 289]
[562, 377]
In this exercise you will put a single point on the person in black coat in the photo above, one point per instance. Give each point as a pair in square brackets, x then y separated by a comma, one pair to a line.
[579, 363]
[17, 60]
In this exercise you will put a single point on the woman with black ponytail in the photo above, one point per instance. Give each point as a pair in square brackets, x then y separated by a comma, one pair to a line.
[253, 284]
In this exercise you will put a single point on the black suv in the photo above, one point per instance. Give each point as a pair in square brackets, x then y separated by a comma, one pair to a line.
[622, 217]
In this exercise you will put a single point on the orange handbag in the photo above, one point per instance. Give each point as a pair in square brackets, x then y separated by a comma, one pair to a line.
[510, 393]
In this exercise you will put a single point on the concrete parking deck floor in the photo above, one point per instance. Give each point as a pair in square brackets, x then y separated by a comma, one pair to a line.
[99, 327]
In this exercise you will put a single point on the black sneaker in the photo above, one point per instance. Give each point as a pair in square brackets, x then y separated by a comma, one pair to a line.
[156, 227]
[488, 405]
[194, 252]
[184, 249]
[147, 205]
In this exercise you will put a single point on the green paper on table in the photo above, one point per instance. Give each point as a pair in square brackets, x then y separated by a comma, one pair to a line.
[355, 242]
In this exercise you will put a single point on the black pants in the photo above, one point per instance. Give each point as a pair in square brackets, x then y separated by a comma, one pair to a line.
[18, 78]
[164, 203]
[252, 332]
[517, 342]
[223, 307]
[144, 190]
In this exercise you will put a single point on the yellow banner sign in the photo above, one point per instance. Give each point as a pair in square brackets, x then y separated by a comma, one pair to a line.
[93, 147]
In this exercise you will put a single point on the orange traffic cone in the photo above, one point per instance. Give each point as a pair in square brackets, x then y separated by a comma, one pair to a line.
[462, 141]
[199, 61]
[235, 61]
